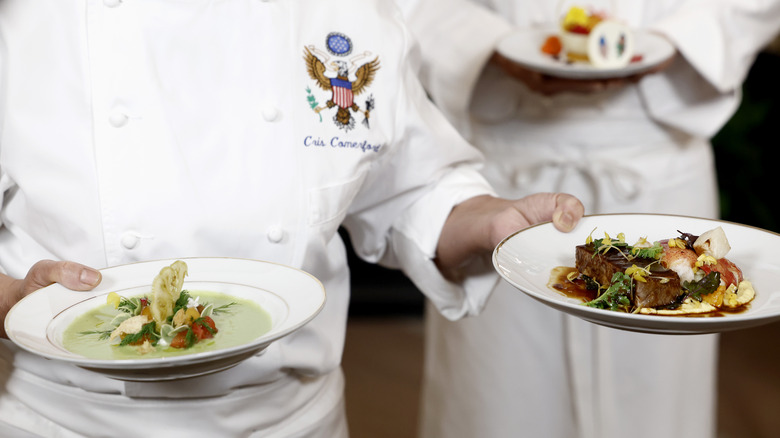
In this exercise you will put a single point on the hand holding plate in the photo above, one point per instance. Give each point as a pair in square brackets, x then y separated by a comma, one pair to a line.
[72, 275]
[477, 225]
[549, 85]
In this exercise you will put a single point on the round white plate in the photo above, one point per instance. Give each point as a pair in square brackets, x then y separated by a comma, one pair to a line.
[290, 296]
[526, 258]
[524, 47]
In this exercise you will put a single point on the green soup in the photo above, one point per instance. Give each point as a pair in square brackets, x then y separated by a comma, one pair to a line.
[241, 322]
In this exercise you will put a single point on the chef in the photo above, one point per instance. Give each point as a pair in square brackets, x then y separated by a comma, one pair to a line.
[145, 129]
[636, 144]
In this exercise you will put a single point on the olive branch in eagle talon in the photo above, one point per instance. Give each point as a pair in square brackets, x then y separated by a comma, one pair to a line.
[343, 90]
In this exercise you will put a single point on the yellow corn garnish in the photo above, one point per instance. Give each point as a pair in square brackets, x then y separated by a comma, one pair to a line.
[113, 299]
[192, 314]
[621, 237]
[676, 243]
[572, 275]
[642, 243]
[637, 273]
[705, 260]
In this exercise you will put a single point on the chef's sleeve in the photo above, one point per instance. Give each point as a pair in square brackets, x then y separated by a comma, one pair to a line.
[397, 217]
[717, 42]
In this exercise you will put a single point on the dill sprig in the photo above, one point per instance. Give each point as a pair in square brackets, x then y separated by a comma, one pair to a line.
[102, 334]
[147, 329]
[225, 308]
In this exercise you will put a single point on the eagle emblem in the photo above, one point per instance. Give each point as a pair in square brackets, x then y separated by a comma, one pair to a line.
[344, 77]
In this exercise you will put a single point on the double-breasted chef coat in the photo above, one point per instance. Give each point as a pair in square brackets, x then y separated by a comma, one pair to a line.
[146, 129]
[520, 369]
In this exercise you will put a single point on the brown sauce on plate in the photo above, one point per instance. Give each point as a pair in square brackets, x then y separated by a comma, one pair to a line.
[560, 283]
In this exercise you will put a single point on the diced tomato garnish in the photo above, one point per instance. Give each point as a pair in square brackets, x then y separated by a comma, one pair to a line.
[180, 340]
[201, 328]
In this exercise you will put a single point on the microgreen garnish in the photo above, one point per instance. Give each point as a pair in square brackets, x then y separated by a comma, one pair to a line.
[617, 297]
[688, 238]
[656, 251]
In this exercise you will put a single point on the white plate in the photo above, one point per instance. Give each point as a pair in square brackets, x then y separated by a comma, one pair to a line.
[524, 47]
[290, 296]
[526, 258]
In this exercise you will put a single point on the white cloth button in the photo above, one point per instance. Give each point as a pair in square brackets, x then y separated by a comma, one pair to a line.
[117, 119]
[270, 113]
[275, 235]
[112, 3]
[130, 240]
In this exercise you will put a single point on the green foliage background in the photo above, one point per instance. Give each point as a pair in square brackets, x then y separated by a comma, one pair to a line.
[746, 150]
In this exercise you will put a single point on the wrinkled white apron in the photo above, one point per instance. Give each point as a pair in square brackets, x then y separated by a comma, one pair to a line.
[291, 406]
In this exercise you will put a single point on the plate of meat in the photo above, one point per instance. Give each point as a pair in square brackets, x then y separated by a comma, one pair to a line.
[649, 273]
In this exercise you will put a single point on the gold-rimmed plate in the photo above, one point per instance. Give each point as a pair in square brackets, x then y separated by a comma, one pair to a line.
[526, 259]
[289, 296]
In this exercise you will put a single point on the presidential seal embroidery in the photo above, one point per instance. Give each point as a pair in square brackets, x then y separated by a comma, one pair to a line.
[343, 76]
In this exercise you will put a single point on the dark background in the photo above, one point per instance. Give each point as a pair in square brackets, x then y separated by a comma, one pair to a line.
[746, 150]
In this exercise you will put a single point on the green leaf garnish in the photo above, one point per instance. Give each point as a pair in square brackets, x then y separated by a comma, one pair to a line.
[653, 252]
[617, 297]
[705, 286]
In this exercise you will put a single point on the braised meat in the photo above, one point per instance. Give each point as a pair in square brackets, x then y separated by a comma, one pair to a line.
[662, 286]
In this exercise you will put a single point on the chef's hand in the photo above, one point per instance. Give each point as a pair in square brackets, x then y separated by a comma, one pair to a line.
[477, 225]
[551, 85]
[44, 273]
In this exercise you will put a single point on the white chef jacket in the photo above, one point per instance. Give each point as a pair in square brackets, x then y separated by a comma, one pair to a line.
[521, 369]
[146, 129]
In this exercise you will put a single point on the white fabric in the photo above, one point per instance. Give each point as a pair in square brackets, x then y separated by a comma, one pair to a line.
[146, 129]
[519, 368]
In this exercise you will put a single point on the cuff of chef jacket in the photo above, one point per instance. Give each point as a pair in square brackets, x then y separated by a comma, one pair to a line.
[677, 96]
[415, 238]
[455, 49]
[714, 45]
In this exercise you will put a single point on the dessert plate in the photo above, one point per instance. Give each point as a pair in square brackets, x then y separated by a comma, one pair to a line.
[526, 259]
[523, 47]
